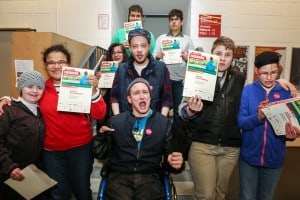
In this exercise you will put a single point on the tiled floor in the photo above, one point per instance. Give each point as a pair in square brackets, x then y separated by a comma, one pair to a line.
[183, 182]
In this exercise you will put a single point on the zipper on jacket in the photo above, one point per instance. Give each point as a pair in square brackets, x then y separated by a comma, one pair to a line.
[263, 150]
[222, 118]
[138, 154]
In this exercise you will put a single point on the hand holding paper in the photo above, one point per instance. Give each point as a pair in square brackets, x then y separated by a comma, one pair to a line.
[34, 183]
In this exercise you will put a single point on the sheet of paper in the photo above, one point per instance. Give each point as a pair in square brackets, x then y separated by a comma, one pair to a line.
[108, 70]
[280, 112]
[129, 26]
[201, 75]
[35, 182]
[75, 91]
[171, 50]
[22, 66]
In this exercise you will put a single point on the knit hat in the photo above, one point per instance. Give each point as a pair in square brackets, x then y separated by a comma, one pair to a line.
[139, 32]
[138, 80]
[265, 58]
[30, 78]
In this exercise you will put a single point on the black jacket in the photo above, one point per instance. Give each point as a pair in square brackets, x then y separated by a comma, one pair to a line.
[217, 123]
[21, 138]
[121, 147]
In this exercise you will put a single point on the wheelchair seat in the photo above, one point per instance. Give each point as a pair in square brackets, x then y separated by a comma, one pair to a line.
[170, 190]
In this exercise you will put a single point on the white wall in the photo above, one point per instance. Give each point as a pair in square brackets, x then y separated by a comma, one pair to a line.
[253, 23]
[248, 22]
[119, 15]
[76, 19]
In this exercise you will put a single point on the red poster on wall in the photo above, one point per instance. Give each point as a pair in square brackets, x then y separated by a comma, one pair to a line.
[209, 25]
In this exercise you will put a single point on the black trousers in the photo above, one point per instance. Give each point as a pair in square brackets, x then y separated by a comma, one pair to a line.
[134, 187]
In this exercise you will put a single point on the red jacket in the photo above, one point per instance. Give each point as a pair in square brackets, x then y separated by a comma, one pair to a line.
[66, 130]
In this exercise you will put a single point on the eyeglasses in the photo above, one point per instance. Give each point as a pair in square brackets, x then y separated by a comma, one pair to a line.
[117, 52]
[53, 63]
[266, 74]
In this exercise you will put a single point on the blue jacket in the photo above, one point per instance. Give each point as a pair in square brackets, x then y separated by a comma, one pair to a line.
[260, 145]
[156, 73]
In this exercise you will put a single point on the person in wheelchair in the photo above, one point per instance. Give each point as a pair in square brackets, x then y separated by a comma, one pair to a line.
[139, 146]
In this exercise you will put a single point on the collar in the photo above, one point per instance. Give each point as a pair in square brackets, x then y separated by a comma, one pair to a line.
[180, 34]
[130, 66]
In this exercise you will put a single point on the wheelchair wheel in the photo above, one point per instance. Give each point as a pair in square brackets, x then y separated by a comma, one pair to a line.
[172, 189]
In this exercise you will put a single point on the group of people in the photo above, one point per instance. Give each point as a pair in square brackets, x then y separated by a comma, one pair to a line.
[135, 131]
[232, 128]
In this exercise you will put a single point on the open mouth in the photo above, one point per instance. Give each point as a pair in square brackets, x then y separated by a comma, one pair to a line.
[142, 105]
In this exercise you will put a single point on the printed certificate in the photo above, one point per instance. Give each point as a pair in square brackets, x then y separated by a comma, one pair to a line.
[280, 112]
[129, 26]
[171, 50]
[108, 70]
[201, 75]
[75, 91]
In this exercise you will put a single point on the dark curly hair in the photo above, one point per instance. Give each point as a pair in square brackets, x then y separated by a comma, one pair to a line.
[111, 49]
[57, 48]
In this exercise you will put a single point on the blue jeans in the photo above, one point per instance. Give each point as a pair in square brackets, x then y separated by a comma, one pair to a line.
[71, 169]
[257, 183]
[177, 89]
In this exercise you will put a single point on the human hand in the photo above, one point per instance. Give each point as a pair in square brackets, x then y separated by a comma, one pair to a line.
[262, 105]
[195, 105]
[184, 56]
[159, 55]
[17, 174]
[105, 129]
[126, 44]
[288, 86]
[93, 81]
[175, 159]
[291, 132]
[2, 103]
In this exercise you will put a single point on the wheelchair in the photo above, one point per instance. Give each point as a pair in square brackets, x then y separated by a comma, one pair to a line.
[167, 180]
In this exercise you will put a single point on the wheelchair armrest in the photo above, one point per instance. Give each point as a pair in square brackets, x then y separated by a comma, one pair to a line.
[102, 187]
[167, 186]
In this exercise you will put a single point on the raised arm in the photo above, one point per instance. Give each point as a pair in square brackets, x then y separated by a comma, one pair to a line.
[288, 86]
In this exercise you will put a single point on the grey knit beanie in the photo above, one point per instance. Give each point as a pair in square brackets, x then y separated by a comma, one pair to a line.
[30, 78]
[138, 80]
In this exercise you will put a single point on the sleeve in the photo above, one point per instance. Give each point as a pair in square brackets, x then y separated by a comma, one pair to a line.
[114, 96]
[171, 145]
[6, 163]
[182, 108]
[167, 100]
[157, 47]
[98, 109]
[152, 43]
[96, 97]
[247, 120]
[102, 145]
[6, 97]
[119, 36]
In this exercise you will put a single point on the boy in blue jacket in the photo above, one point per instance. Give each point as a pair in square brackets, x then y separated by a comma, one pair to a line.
[262, 152]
